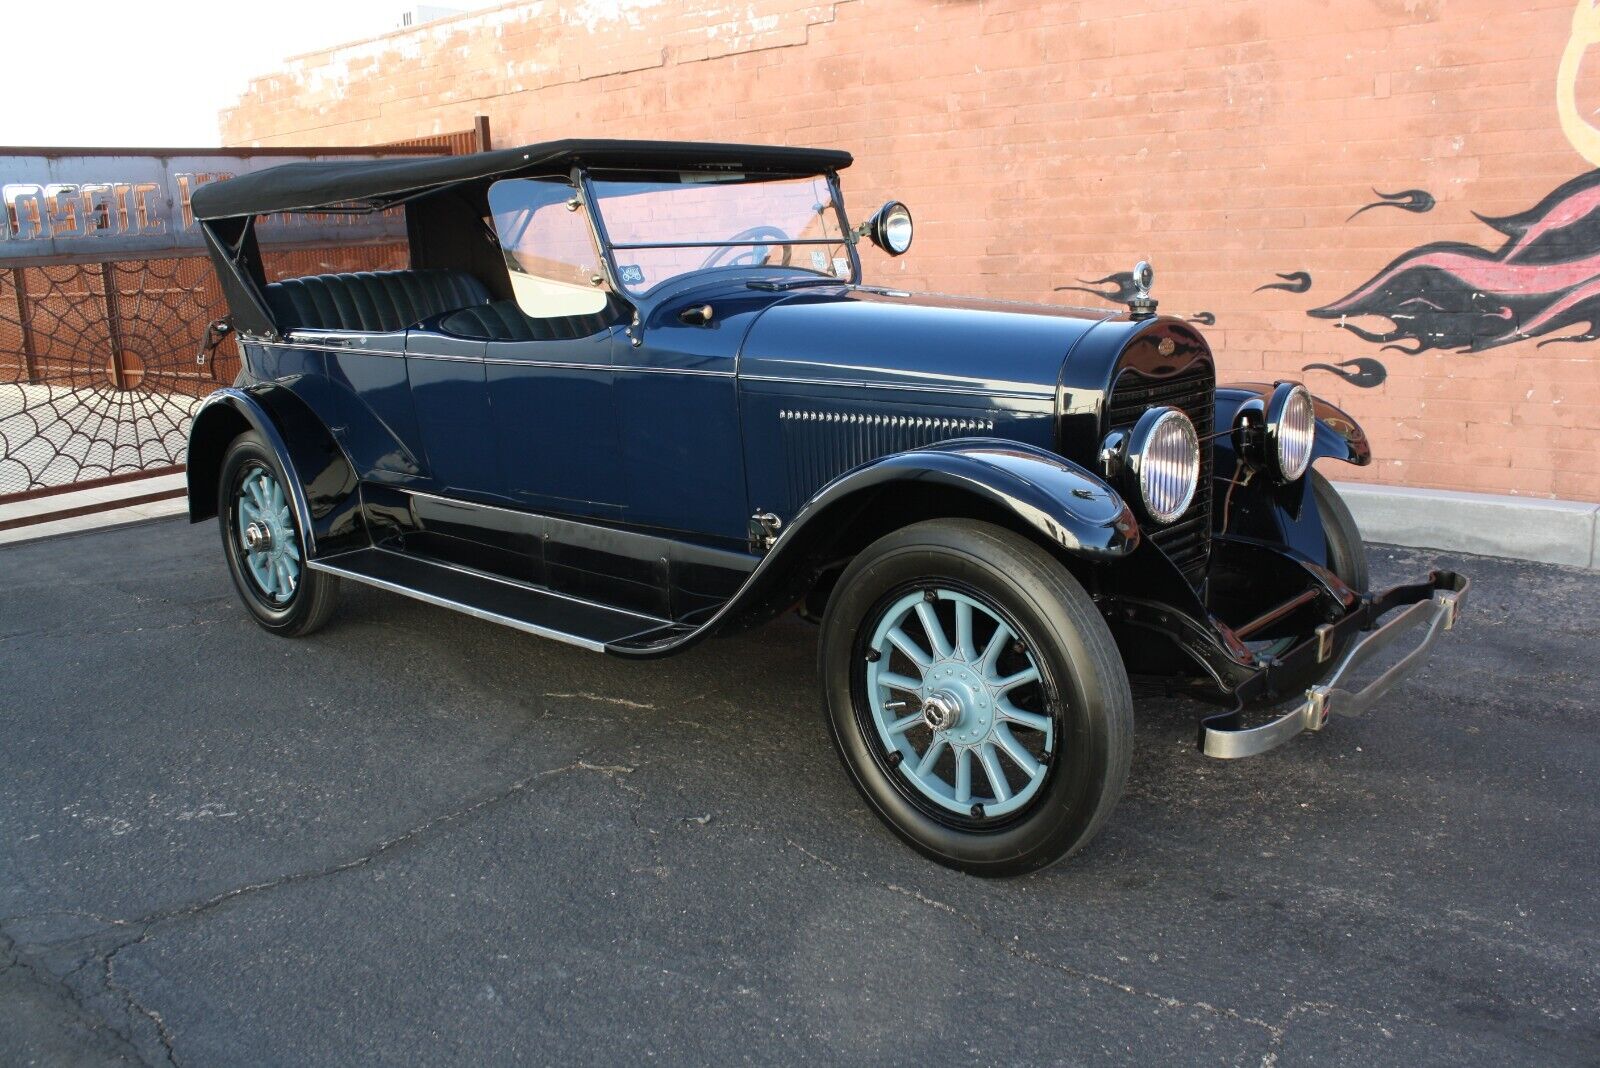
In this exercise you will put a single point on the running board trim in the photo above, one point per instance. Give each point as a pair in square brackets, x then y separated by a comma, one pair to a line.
[409, 577]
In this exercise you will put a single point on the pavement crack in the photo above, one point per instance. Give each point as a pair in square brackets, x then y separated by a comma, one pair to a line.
[12, 959]
[387, 845]
[131, 1000]
[623, 701]
[797, 847]
[141, 930]
[1273, 1031]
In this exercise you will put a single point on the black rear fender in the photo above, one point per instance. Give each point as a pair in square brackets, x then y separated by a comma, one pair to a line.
[323, 487]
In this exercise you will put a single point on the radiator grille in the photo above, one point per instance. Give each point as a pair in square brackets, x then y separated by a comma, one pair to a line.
[1187, 540]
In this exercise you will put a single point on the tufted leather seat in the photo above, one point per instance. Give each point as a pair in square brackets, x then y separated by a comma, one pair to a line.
[504, 321]
[372, 301]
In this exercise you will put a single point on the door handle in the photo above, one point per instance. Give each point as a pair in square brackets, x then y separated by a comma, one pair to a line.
[700, 315]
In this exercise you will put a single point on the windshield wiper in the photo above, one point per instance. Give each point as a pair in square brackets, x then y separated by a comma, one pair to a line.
[797, 283]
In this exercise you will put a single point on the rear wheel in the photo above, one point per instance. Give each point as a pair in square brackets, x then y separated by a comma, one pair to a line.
[976, 696]
[264, 545]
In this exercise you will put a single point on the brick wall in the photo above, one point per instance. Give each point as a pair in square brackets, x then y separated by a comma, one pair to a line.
[1046, 145]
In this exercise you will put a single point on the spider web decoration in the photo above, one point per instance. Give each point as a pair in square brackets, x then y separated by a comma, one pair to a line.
[98, 369]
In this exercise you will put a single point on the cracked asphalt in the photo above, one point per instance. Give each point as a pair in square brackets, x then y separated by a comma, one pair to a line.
[419, 838]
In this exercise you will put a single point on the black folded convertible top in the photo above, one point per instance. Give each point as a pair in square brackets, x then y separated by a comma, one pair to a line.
[380, 183]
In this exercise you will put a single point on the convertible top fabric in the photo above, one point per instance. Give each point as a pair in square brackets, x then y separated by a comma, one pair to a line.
[379, 183]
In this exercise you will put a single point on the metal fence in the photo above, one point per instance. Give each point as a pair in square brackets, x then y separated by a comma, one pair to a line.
[98, 357]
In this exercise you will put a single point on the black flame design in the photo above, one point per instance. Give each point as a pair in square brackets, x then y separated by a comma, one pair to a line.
[1122, 288]
[1293, 282]
[1415, 201]
[1363, 372]
[1456, 296]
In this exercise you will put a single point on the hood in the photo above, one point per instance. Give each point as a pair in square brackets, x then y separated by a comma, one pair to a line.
[884, 337]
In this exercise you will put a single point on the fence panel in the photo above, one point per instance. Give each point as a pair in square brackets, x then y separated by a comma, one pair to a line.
[99, 374]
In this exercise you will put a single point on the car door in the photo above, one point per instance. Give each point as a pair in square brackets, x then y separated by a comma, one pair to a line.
[677, 397]
[547, 356]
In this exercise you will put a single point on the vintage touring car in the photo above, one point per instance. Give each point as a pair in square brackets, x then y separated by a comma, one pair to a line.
[633, 394]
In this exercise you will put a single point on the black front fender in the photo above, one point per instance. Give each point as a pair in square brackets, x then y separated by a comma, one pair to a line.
[1061, 502]
[1064, 502]
[323, 488]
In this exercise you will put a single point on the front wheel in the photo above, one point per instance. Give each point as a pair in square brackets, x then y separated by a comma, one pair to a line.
[976, 696]
[265, 547]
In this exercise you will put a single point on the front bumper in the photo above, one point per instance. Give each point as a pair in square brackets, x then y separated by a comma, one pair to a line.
[1433, 605]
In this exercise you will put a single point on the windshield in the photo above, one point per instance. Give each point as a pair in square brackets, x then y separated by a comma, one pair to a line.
[663, 225]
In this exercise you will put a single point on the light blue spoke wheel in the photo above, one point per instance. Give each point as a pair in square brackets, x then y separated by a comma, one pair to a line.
[268, 544]
[958, 703]
[976, 695]
[265, 545]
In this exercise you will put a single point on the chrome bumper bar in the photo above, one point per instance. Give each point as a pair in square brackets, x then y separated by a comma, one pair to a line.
[1437, 614]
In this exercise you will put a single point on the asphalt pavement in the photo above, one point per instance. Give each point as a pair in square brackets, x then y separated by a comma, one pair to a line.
[419, 838]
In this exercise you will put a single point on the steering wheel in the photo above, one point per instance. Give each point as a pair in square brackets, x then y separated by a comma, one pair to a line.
[753, 255]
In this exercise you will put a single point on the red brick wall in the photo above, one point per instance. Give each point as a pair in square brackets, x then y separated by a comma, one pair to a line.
[1041, 144]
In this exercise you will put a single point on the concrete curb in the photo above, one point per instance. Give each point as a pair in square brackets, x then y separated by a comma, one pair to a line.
[1522, 528]
[43, 509]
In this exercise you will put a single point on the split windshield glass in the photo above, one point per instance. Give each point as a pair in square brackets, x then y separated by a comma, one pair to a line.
[662, 225]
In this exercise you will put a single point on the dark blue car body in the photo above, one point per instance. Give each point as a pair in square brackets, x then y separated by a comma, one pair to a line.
[652, 476]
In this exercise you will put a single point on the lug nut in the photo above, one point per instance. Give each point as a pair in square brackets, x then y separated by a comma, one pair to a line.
[895, 757]
[930, 595]
[977, 812]
[873, 656]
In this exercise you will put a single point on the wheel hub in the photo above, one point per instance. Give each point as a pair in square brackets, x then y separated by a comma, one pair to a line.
[266, 535]
[258, 537]
[963, 700]
[959, 671]
[941, 711]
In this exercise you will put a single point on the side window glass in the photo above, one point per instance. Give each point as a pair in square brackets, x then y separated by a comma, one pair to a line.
[549, 249]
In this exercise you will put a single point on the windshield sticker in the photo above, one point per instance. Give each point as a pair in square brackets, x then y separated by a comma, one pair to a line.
[819, 260]
[632, 274]
[841, 267]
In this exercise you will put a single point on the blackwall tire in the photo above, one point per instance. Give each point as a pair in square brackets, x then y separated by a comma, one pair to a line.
[305, 600]
[1082, 689]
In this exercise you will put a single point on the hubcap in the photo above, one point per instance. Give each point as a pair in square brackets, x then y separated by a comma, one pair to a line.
[268, 547]
[940, 711]
[257, 536]
[980, 737]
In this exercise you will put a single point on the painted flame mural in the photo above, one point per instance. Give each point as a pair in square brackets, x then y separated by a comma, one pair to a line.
[1542, 282]
[1543, 279]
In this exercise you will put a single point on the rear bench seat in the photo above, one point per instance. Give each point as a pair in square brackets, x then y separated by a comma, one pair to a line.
[504, 321]
[371, 301]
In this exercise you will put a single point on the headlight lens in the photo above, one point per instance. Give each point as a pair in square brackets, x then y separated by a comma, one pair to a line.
[1294, 430]
[1165, 455]
[897, 230]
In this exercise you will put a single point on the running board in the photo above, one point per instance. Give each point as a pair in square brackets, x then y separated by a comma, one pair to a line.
[527, 608]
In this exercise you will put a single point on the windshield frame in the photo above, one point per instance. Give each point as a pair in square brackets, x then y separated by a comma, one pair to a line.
[591, 205]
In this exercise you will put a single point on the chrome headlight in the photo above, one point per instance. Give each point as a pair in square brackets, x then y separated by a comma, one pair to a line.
[1164, 458]
[890, 229]
[1291, 430]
